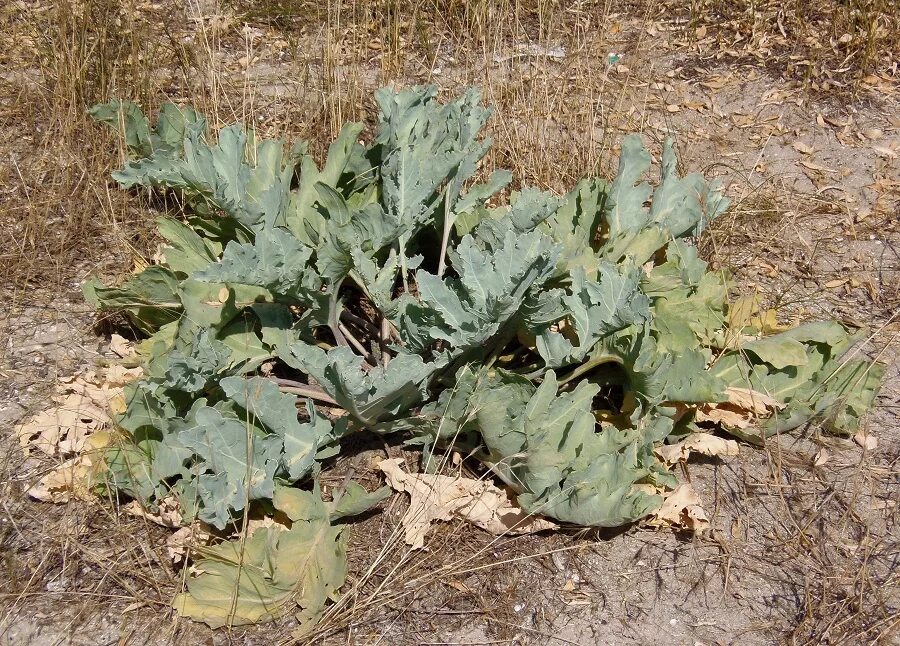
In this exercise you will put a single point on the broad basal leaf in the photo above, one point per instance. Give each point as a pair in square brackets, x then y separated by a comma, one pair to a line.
[275, 260]
[150, 298]
[248, 581]
[236, 463]
[805, 369]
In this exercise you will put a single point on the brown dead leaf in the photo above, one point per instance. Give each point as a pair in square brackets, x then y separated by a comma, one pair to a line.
[816, 167]
[682, 508]
[437, 497]
[702, 443]
[75, 478]
[121, 346]
[62, 429]
[884, 151]
[118, 375]
[715, 82]
[743, 408]
[168, 513]
[180, 543]
[803, 148]
[837, 282]
[82, 406]
[866, 441]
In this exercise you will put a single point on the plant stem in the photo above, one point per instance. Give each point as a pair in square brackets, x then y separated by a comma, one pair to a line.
[299, 388]
[334, 315]
[402, 245]
[383, 340]
[589, 365]
[356, 344]
[363, 323]
[448, 227]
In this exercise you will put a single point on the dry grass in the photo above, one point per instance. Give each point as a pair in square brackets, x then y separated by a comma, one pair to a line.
[299, 69]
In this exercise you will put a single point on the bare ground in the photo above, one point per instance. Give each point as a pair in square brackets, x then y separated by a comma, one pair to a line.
[804, 542]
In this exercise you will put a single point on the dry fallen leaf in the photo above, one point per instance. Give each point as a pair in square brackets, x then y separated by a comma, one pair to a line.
[121, 346]
[437, 497]
[181, 542]
[703, 443]
[682, 508]
[816, 167]
[168, 513]
[82, 406]
[118, 375]
[63, 428]
[743, 408]
[803, 148]
[74, 478]
[866, 441]
[884, 151]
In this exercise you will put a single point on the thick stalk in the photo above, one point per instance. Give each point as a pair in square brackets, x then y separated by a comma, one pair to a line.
[402, 245]
[334, 315]
[356, 344]
[305, 390]
[589, 365]
[448, 228]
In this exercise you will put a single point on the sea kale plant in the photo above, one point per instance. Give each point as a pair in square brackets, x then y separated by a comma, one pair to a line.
[557, 339]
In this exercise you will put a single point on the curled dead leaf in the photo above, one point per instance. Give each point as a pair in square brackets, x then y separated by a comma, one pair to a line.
[816, 167]
[75, 478]
[121, 346]
[168, 513]
[682, 508]
[180, 543]
[743, 408]
[83, 405]
[703, 443]
[437, 497]
[803, 148]
[118, 375]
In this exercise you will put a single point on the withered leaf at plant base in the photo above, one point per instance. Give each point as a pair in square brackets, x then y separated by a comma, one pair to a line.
[681, 509]
[440, 498]
[743, 409]
[78, 477]
[702, 443]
